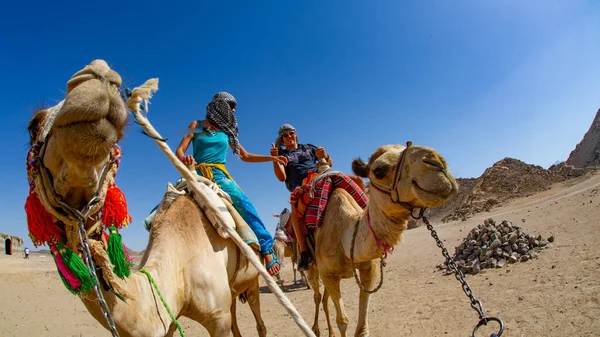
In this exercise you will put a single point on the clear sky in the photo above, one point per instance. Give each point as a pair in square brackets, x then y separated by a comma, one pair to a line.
[476, 80]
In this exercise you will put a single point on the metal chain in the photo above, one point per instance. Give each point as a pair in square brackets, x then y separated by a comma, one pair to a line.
[381, 265]
[89, 261]
[460, 276]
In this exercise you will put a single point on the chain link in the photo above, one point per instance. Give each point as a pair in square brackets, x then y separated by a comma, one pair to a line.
[460, 276]
[89, 261]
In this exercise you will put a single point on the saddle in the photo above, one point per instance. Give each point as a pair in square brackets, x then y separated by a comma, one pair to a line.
[180, 189]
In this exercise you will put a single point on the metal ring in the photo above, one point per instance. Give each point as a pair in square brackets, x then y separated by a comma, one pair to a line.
[485, 320]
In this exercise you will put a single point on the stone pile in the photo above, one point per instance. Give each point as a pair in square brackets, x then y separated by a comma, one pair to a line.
[493, 245]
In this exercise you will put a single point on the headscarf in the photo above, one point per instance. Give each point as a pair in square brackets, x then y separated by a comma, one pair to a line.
[282, 129]
[219, 112]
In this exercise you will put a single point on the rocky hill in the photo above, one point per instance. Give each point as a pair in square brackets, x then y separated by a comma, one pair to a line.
[587, 152]
[507, 179]
[511, 178]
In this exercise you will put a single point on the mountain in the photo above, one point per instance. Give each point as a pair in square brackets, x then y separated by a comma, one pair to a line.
[587, 152]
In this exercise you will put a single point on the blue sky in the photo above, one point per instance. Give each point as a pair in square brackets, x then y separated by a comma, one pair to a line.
[476, 80]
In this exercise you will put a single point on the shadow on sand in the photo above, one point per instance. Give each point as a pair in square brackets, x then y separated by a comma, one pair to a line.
[287, 287]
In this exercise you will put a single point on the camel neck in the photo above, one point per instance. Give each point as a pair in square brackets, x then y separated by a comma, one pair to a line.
[379, 234]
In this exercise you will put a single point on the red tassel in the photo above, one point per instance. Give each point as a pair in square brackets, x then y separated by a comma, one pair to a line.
[42, 228]
[115, 211]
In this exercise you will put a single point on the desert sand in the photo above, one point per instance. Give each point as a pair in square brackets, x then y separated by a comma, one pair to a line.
[556, 294]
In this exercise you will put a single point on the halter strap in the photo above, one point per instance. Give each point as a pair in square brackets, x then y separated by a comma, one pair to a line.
[392, 189]
[386, 249]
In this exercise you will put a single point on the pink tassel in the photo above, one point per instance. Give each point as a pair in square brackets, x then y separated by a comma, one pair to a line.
[129, 258]
[67, 274]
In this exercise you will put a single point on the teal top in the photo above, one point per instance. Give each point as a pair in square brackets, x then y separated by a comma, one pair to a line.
[210, 147]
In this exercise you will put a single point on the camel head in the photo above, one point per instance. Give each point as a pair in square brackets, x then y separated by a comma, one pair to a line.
[78, 135]
[416, 175]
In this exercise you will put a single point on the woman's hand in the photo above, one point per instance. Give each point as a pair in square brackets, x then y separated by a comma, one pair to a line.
[280, 159]
[187, 160]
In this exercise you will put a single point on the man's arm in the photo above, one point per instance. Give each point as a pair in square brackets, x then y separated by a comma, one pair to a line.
[278, 169]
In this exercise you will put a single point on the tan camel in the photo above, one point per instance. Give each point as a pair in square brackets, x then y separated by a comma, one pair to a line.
[400, 179]
[285, 249]
[190, 263]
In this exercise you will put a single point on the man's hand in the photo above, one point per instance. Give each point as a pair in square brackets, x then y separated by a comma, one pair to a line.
[320, 153]
[274, 150]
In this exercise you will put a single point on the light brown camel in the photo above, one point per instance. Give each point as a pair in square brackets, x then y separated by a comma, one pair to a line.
[190, 263]
[289, 249]
[400, 179]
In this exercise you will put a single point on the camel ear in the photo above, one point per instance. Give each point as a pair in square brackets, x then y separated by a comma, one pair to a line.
[360, 168]
[34, 124]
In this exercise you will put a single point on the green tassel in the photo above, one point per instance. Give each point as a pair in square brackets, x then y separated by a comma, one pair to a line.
[79, 269]
[116, 254]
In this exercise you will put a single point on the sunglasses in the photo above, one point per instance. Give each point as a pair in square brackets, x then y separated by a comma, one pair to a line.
[288, 134]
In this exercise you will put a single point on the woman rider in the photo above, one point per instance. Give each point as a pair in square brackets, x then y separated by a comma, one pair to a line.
[210, 141]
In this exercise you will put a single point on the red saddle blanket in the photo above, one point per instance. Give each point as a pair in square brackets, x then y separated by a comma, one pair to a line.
[310, 203]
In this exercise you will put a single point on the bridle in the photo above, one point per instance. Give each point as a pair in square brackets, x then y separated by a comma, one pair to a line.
[59, 207]
[392, 189]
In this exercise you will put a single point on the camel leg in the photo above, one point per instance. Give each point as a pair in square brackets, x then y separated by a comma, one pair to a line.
[313, 278]
[280, 282]
[305, 280]
[294, 268]
[219, 325]
[235, 329]
[332, 286]
[367, 276]
[326, 311]
[252, 295]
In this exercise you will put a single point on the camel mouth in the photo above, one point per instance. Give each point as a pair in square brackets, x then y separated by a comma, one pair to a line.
[442, 190]
[434, 164]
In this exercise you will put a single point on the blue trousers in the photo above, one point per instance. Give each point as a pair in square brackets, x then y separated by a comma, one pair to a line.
[242, 204]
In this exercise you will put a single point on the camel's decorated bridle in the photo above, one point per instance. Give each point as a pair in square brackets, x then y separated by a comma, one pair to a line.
[107, 209]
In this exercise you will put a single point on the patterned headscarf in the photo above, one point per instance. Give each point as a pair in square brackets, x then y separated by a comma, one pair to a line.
[219, 112]
[282, 129]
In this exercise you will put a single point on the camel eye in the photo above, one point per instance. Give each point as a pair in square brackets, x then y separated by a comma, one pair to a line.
[380, 172]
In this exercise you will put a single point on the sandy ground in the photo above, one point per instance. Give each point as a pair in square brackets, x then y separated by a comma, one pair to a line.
[555, 295]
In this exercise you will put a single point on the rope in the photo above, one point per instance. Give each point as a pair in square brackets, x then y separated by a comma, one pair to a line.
[381, 265]
[144, 271]
[237, 267]
[222, 221]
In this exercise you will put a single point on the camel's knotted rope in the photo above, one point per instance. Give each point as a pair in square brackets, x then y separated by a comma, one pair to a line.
[220, 219]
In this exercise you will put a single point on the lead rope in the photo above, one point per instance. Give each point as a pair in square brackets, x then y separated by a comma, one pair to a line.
[145, 272]
[475, 303]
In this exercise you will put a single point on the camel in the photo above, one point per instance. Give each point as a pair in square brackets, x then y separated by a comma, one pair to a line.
[288, 249]
[198, 273]
[400, 180]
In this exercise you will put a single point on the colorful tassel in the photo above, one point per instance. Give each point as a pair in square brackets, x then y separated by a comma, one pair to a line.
[115, 211]
[129, 258]
[72, 270]
[40, 223]
[117, 254]
[71, 282]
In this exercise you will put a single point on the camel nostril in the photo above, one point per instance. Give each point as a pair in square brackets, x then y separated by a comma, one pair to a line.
[434, 164]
